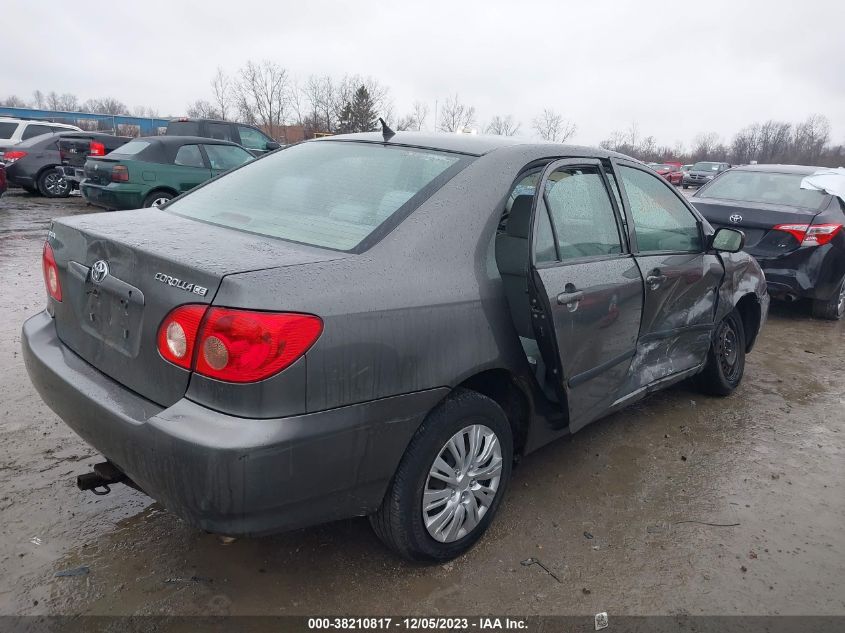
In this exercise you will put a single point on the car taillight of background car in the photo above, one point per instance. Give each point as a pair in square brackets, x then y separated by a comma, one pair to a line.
[811, 234]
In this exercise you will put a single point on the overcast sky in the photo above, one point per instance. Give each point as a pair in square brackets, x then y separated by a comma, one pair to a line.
[676, 68]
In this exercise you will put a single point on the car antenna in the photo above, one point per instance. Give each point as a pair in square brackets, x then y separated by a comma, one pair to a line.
[386, 132]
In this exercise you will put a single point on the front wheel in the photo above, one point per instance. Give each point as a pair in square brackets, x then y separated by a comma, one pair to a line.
[450, 480]
[831, 309]
[725, 358]
[53, 184]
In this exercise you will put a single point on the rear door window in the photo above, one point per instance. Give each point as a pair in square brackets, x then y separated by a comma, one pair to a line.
[189, 156]
[36, 130]
[183, 128]
[7, 129]
[220, 131]
[582, 214]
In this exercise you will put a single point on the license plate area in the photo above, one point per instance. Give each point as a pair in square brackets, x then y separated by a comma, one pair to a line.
[110, 311]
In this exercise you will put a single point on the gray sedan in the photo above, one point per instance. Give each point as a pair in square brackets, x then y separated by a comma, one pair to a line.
[379, 326]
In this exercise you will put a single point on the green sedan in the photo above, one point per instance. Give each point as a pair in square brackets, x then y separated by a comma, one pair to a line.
[149, 171]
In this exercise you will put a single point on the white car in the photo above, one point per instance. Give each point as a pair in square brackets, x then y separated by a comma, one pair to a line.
[13, 131]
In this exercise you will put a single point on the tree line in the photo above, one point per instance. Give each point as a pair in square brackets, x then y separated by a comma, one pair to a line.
[267, 95]
[804, 143]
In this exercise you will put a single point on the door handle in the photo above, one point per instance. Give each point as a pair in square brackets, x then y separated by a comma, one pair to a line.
[655, 278]
[568, 298]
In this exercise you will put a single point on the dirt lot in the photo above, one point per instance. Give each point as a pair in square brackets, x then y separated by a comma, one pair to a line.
[620, 514]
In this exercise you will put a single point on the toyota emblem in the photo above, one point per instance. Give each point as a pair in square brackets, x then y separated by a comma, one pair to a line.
[99, 271]
[736, 218]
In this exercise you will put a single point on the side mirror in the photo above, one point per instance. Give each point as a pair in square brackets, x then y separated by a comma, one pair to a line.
[727, 240]
[271, 145]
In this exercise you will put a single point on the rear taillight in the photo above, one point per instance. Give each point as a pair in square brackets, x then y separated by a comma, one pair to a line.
[178, 333]
[14, 155]
[51, 273]
[236, 345]
[119, 173]
[96, 149]
[811, 234]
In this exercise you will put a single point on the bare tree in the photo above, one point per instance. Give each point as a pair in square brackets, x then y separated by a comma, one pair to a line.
[262, 95]
[456, 116]
[202, 109]
[704, 145]
[221, 89]
[503, 126]
[106, 105]
[420, 114]
[38, 99]
[551, 126]
[811, 137]
[415, 120]
[320, 94]
[13, 101]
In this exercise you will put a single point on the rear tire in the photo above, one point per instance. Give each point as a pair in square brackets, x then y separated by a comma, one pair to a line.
[685, 186]
[157, 198]
[725, 359]
[52, 184]
[456, 516]
[834, 308]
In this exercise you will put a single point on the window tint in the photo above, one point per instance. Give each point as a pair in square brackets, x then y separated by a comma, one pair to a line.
[7, 129]
[583, 216]
[226, 156]
[662, 222]
[220, 131]
[544, 243]
[189, 156]
[325, 193]
[35, 130]
[183, 128]
[767, 187]
[252, 138]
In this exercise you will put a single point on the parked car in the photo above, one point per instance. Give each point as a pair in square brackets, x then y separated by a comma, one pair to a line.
[795, 234]
[3, 183]
[32, 164]
[13, 131]
[75, 149]
[703, 172]
[248, 136]
[670, 171]
[369, 325]
[150, 171]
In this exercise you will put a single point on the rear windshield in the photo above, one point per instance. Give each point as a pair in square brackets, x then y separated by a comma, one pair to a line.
[183, 128]
[131, 148]
[326, 193]
[761, 186]
[7, 129]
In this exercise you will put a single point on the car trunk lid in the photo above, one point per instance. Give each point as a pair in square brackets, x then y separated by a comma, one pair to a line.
[98, 170]
[154, 261]
[756, 220]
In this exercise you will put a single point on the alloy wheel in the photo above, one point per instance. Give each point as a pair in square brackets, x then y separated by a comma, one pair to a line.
[462, 483]
[55, 184]
[159, 201]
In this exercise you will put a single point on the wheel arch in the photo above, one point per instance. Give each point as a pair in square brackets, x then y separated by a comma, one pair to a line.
[750, 312]
[161, 189]
[501, 386]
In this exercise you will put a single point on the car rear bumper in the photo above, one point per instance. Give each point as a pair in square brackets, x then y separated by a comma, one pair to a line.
[810, 272]
[226, 474]
[113, 196]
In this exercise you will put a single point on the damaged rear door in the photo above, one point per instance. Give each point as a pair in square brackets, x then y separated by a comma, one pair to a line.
[586, 292]
[681, 279]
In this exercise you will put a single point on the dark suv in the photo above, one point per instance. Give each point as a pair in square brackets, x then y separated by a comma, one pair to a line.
[248, 136]
[703, 172]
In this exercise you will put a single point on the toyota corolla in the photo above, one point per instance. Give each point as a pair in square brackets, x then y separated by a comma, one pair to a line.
[379, 325]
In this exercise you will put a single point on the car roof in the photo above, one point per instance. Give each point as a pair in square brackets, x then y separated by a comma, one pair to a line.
[183, 140]
[805, 170]
[473, 144]
[11, 119]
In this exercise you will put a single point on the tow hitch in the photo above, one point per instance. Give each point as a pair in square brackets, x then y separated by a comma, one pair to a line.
[105, 473]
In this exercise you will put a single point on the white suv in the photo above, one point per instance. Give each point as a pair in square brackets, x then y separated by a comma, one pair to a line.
[13, 131]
